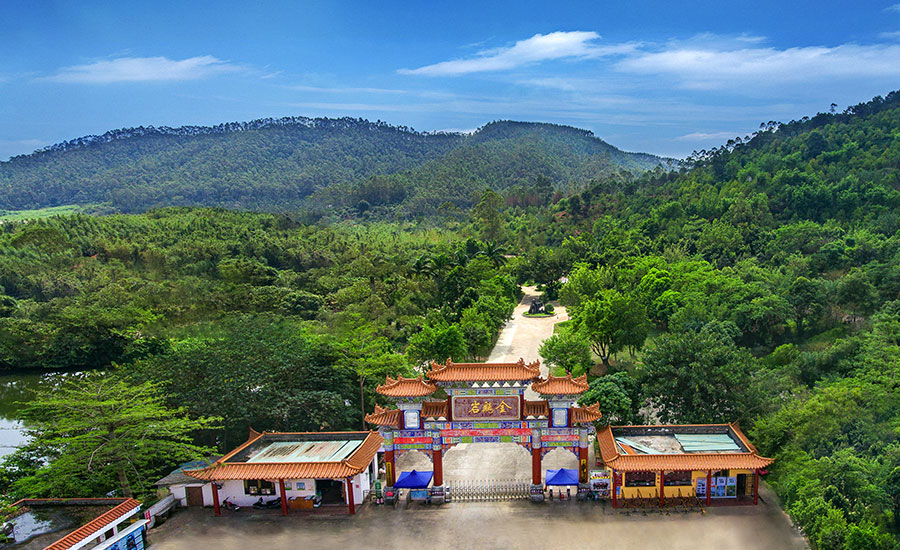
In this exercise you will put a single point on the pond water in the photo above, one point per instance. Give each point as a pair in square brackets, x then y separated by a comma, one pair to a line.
[15, 388]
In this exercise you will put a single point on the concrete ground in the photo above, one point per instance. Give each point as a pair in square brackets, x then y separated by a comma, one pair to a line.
[485, 526]
[489, 525]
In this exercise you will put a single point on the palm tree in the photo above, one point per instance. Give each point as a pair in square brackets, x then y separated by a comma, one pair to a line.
[459, 259]
[421, 267]
[493, 252]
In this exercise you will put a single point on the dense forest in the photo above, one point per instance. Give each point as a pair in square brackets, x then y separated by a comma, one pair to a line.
[329, 167]
[759, 283]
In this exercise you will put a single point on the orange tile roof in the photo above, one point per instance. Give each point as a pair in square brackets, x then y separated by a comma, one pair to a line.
[384, 417]
[406, 387]
[683, 461]
[484, 372]
[435, 409]
[536, 408]
[358, 461]
[561, 385]
[96, 526]
[591, 413]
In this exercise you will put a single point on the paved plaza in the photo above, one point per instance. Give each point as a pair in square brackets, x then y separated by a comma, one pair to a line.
[485, 526]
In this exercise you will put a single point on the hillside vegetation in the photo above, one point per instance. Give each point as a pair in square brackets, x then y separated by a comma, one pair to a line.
[278, 164]
[758, 283]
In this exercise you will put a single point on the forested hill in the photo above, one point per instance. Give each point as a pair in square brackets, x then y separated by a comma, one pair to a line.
[278, 164]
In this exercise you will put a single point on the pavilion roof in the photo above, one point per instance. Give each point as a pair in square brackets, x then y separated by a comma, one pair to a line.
[406, 387]
[384, 417]
[536, 408]
[583, 415]
[358, 460]
[624, 461]
[484, 372]
[561, 385]
[436, 409]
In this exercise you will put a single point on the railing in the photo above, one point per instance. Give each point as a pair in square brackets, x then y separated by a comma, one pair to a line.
[487, 490]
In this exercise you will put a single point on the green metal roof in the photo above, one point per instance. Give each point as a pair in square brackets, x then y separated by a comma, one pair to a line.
[693, 443]
[306, 451]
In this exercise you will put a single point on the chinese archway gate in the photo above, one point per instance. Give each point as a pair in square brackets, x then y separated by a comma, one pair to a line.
[486, 404]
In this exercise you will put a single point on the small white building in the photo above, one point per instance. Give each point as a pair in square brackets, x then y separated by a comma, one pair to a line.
[118, 524]
[302, 469]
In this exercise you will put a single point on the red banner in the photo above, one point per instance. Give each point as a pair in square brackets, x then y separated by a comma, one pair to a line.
[403, 440]
[486, 408]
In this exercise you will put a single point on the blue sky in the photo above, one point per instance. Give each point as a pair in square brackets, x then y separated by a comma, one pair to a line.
[664, 77]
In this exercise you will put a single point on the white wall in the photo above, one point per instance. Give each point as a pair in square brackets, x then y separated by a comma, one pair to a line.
[234, 490]
[180, 492]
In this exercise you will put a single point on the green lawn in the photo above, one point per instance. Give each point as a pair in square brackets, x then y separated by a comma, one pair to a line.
[19, 215]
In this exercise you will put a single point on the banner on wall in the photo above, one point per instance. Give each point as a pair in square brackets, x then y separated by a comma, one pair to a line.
[600, 482]
[701, 487]
[720, 487]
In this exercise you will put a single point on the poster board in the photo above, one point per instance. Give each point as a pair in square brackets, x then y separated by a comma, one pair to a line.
[601, 482]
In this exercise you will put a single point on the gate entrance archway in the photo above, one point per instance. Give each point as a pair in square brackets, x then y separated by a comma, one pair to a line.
[485, 404]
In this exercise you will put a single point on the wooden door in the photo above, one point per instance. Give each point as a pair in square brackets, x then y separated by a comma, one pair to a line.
[195, 496]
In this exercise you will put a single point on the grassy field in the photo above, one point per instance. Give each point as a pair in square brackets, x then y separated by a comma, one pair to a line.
[19, 215]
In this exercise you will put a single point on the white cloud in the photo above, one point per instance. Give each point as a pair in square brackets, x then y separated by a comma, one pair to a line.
[326, 90]
[540, 47]
[895, 7]
[142, 69]
[711, 68]
[25, 142]
[894, 35]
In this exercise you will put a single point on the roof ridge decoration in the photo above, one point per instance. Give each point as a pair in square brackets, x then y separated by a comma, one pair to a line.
[561, 385]
[586, 414]
[406, 387]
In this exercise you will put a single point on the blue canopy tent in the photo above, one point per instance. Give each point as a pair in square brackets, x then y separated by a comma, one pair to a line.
[414, 480]
[562, 477]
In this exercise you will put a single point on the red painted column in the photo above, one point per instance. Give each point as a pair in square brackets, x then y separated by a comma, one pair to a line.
[535, 465]
[756, 486]
[614, 489]
[215, 490]
[708, 487]
[284, 508]
[350, 503]
[389, 468]
[438, 461]
[582, 462]
[662, 488]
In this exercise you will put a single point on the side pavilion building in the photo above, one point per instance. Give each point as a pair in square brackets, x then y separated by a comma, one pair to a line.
[709, 462]
[334, 468]
[485, 404]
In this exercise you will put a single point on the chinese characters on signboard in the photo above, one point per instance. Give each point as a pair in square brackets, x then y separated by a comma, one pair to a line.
[482, 407]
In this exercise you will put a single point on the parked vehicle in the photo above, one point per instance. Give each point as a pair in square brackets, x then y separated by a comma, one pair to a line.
[228, 505]
[266, 505]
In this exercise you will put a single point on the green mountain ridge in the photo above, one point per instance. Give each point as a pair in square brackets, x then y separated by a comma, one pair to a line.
[282, 164]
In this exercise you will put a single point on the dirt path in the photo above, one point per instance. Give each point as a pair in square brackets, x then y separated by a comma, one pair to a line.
[523, 336]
